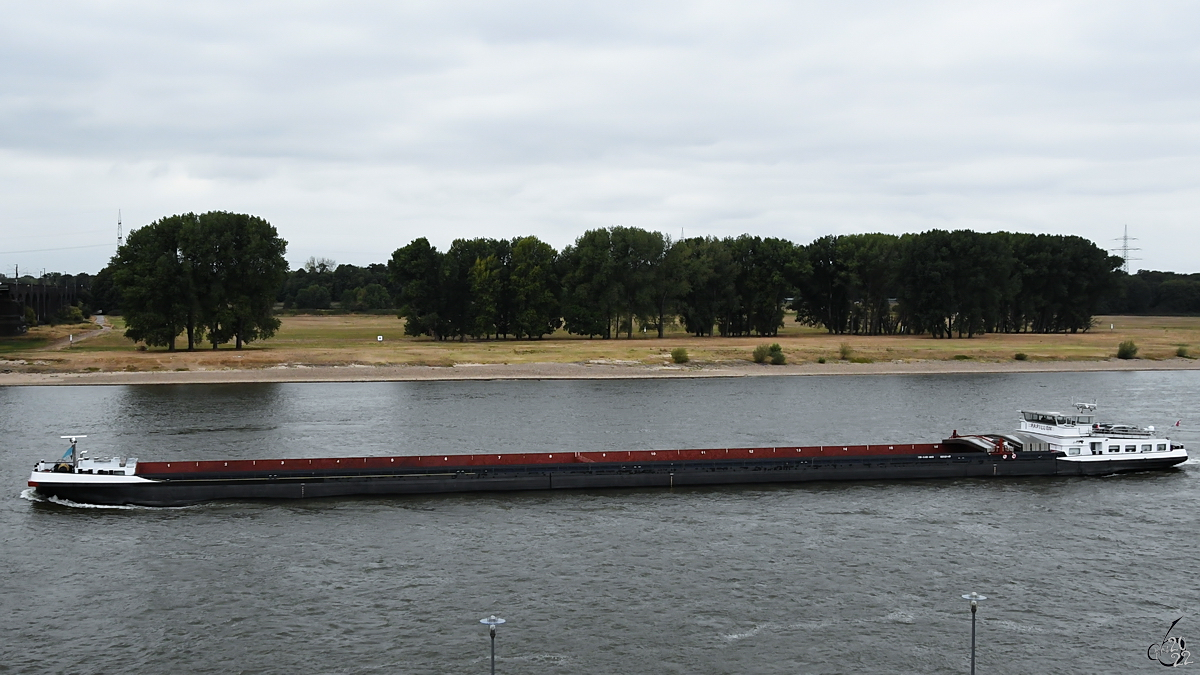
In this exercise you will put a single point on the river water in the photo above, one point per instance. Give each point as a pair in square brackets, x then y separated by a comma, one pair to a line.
[1082, 575]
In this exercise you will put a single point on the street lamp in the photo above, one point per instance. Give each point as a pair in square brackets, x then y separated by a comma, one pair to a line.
[491, 622]
[974, 598]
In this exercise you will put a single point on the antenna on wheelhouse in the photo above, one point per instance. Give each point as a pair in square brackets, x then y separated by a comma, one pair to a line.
[74, 441]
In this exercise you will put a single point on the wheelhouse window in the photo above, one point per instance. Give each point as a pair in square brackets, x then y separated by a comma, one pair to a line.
[1147, 447]
[1073, 451]
[1162, 447]
[1052, 420]
[1131, 448]
[1114, 448]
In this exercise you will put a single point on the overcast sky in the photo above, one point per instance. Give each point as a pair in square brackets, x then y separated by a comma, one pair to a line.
[355, 127]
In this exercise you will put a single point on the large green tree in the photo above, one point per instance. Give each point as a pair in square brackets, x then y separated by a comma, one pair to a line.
[417, 270]
[612, 276]
[461, 307]
[666, 284]
[491, 287]
[591, 293]
[849, 283]
[535, 288]
[710, 275]
[771, 268]
[217, 274]
[150, 273]
[239, 266]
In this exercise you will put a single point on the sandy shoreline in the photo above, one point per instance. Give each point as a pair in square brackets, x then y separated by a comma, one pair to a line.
[573, 371]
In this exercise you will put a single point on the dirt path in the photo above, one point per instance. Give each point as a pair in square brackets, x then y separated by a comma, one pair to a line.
[63, 343]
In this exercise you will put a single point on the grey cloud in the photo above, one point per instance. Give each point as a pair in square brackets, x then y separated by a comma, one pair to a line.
[397, 120]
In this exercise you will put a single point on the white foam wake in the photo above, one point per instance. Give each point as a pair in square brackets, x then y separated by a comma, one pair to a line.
[32, 495]
[76, 505]
[746, 634]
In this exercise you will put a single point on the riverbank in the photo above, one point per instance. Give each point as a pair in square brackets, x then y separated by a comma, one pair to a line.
[350, 348]
[572, 371]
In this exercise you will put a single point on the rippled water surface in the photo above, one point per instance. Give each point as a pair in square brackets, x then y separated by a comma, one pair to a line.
[1082, 574]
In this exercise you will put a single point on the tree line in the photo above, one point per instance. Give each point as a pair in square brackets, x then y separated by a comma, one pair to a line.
[955, 283]
[218, 276]
[1156, 293]
[941, 283]
[320, 282]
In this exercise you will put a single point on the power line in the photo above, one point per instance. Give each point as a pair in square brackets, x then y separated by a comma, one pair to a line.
[43, 250]
[55, 235]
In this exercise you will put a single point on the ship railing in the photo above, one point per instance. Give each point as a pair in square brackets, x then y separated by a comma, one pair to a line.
[1121, 431]
[105, 462]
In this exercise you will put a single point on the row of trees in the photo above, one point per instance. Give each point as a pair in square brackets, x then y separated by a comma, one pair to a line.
[214, 276]
[606, 283]
[736, 286]
[954, 283]
[479, 288]
[320, 282]
[946, 284]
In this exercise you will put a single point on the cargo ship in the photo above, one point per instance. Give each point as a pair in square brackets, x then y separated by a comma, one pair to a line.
[1045, 444]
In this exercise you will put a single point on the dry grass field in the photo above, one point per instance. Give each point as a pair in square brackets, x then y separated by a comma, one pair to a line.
[353, 339]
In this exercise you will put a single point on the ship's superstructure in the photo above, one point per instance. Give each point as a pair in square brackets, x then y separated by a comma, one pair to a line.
[1081, 439]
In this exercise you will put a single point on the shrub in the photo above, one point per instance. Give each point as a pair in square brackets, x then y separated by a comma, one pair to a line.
[761, 353]
[350, 300]
[845, 352]
[679, 355]
[1183, 353]
[69, 314]
[1021, 356]
[821, 360]
[776, 353]
[962, 357]
[1127, 350]
[313, 297]
[374, 296]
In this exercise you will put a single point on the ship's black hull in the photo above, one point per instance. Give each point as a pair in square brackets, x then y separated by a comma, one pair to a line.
[179, 490]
